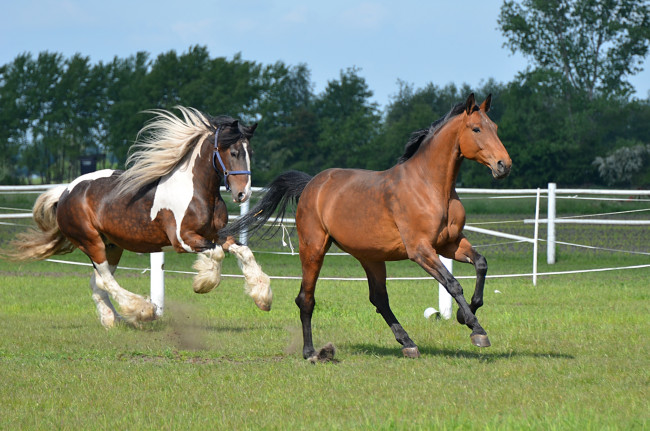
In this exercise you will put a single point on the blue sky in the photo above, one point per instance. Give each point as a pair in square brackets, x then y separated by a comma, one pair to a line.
[416, 41]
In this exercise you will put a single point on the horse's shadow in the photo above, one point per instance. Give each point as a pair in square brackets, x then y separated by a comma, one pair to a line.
[479, 355]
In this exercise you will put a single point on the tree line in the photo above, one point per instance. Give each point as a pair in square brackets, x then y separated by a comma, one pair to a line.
[568, 118]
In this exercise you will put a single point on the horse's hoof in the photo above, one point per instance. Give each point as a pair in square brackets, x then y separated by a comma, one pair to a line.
[326, 354]
[149, 312]
[263, 306]
[411, 352]
[480, 340]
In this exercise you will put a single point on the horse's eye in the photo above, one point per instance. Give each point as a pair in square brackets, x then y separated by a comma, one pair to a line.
[476, 130]
[234, 153]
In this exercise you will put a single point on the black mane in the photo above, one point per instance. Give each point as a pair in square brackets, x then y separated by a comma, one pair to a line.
[419, 136]
[226, 136]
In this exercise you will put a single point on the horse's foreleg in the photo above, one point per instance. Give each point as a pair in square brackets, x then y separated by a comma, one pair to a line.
[257, 284]
[465, 253]
[208, 265]
[376, 273]
[425, 256]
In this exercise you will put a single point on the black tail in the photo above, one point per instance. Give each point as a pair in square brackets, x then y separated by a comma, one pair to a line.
[283, 190]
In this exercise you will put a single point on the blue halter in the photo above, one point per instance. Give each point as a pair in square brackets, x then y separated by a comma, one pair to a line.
[217, 156]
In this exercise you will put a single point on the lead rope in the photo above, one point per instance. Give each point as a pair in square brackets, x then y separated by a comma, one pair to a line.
[284, 229]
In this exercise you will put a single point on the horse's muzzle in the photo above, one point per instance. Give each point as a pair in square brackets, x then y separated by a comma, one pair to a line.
[502, 169]
[241, 197]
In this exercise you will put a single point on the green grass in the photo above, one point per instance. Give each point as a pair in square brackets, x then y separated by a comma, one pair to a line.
[570, 353]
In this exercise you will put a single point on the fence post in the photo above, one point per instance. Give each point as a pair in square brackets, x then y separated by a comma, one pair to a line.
[444, 298]
[550, 225]
[243, 209]
[536, 237]
[158, 281]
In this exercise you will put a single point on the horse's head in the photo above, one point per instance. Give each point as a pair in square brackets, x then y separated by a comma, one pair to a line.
[232, 157]
[479, 140]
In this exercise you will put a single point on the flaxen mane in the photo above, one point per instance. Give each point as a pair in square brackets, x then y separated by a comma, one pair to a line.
[161, 144]
[165, 140]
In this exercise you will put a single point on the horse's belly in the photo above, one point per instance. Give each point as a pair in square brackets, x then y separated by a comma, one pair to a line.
[135, 236]
[363, 242]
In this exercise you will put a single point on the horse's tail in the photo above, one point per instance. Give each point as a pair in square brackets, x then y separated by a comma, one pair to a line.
[283, 190]
[47, 240]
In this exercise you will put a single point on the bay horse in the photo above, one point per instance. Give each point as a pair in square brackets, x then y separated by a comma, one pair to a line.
[410, 211]
[168, 198]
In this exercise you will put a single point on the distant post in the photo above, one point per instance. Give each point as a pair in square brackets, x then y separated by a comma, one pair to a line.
[550, 225]
[444, 298]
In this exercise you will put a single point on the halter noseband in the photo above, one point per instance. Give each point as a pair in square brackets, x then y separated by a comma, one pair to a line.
[217, 156]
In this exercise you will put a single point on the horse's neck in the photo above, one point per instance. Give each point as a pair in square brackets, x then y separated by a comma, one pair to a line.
[439, 159]
[198, 166]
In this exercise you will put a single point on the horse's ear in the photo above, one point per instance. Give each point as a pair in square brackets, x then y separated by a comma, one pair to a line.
[235, 124]
[485, 106]
[469, 104]
[252, 128]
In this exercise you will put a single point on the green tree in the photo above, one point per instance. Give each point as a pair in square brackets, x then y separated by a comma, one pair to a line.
[592, 44]
[15, 111]
[411, 110]
[233, 87]
[127, 96]
[288, 132]
[79, 106]
[349, 123]
[46, 133]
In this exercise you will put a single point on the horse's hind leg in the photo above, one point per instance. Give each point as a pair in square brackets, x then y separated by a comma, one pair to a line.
[376, 272]
[107, 313]
[312, 254]
[105, 257]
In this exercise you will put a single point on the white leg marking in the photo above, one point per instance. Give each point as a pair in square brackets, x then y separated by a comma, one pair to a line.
[134, 307]
[105, 309]
[208, 264]
[257, 284]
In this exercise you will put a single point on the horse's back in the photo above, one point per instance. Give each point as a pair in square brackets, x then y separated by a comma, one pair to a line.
[81, 195]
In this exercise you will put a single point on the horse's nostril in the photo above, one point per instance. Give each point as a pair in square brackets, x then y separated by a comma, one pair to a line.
[241, 196]
[501, 166]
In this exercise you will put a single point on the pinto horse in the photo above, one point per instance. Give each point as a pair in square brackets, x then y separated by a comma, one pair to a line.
[168, 199]
[410, 211]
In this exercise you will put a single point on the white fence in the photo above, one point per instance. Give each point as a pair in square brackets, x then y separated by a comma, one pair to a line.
[551, 193]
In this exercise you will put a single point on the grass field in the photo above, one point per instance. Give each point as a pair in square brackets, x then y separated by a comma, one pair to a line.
[571, 353]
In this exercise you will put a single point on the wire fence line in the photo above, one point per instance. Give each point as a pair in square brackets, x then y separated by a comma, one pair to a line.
[500, 194]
